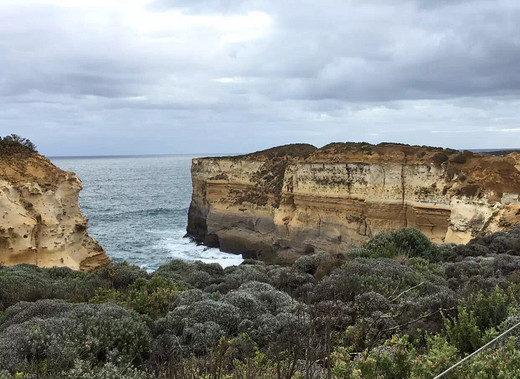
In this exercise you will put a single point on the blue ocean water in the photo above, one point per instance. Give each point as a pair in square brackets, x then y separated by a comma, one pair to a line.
[138, 208]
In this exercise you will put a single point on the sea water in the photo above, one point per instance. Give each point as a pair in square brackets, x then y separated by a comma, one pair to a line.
[138, 208]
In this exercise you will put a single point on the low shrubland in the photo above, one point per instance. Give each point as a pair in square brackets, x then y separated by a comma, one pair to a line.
[398, 307]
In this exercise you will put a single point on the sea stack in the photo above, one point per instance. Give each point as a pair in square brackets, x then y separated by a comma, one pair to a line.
[40, 219]
[298, 199]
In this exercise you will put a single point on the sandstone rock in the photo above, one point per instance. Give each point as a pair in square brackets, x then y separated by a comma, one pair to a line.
[299, 199]
[40, 218]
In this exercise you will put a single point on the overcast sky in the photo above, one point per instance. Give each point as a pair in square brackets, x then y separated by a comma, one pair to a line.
[98, 77]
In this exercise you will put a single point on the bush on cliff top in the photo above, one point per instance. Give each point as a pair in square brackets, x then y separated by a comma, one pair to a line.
[15, 143]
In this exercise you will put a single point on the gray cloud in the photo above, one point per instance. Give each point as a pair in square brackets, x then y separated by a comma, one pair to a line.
[222, 76]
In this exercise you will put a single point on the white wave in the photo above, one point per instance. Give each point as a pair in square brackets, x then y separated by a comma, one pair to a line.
[182, 248]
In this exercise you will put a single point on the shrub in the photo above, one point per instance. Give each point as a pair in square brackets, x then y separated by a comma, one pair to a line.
[30, 283]
[151, 297]
[23, 283]
[340, 285]
[329, 264]
[14, 142]
[369, 330]
[109, 295]
[370, 302]
[176, 270]
[38, 342]
[392, 360]
[333, 316]
[235, 276]
[439, 158]
[85, 370]
[213, 269]
[463, 332]
[503, 362]
[224, 314]
[439, 356]
[108, 332]
[188, 297]
[292, 281]
[121, 275]
[506, 264]
[274, 301]
[509, 323]
[97, 333]
[25, 311]
[199, 279]
[309, 263]
[248, 305]
[201, 336]
[191, 329]
[426, 310]
[471, 250]
[408, 242]
[464, 269]
[490, 310]
[383, 275]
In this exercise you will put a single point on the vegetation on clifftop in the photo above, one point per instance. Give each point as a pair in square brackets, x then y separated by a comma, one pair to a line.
[16, 144]
[399, 307]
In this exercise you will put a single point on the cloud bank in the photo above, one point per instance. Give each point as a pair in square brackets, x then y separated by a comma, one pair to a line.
[216, 76]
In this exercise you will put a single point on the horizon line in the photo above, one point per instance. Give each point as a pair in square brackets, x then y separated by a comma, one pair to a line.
[138, 155]
[201, 155]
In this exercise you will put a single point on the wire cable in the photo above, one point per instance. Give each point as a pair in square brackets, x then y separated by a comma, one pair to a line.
[476, 352]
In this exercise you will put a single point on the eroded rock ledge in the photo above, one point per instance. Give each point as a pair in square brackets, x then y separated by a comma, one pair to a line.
[297, 199]
[40, 218]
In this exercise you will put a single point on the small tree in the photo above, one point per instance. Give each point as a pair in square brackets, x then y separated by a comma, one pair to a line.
[15, 140]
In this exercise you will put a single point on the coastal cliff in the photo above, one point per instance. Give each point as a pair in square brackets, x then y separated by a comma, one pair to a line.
[40, 218]
[297, 199]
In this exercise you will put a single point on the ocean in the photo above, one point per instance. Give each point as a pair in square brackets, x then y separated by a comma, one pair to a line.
[138, 208]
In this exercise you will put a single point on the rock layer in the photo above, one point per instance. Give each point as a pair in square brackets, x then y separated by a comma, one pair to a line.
[297, 199]
[40, 219]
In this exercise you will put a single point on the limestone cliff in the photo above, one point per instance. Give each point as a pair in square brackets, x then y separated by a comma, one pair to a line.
[298, 199]
[40, 219]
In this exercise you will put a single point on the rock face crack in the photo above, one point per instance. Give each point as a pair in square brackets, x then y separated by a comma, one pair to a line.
[403, 192]
[349, 179]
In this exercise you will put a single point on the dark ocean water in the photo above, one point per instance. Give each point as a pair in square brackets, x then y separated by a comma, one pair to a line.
[138, 208]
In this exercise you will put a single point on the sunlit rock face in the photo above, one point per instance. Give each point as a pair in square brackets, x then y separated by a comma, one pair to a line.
[297, 199]
[40, 219]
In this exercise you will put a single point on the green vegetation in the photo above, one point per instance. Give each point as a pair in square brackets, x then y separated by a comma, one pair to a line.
[15, 143]
[399, 307]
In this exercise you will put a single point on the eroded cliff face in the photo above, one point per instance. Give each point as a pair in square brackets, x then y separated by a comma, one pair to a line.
[40, 219]
[298, 199]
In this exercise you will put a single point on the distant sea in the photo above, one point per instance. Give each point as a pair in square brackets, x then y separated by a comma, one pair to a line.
[138, 208]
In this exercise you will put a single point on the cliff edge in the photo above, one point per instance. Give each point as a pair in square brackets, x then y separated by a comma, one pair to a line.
[40, 218]
[298, 199]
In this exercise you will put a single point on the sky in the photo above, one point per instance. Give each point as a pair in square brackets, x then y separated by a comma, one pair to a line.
[110, 77]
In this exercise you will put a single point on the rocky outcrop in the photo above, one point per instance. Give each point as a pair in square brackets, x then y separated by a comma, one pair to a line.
[298, 199]
[40, 219]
